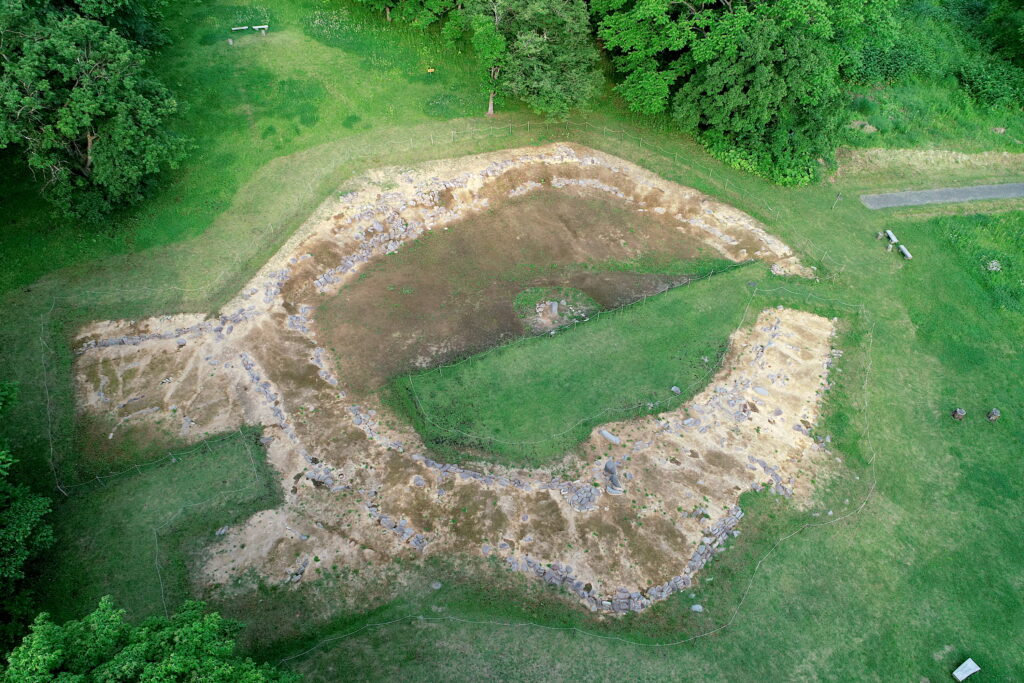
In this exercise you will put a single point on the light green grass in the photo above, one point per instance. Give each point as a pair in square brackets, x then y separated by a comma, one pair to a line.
[933, 115]
[526, 403]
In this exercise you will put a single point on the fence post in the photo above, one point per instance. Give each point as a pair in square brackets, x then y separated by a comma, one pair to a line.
[453, 135]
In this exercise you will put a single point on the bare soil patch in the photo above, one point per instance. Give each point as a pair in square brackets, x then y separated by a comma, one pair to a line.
[450, 294]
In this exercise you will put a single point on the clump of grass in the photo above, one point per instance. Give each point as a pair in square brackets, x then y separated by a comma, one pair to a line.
[580, 304]
[991, 249]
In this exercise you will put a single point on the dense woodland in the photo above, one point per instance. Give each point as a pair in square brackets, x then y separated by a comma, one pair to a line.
[767, 86]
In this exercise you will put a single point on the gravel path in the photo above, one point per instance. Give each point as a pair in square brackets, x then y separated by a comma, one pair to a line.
[943, 195]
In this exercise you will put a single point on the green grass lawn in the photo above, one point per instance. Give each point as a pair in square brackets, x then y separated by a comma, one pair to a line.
[134, 536]
[932, 560]
[528, 402]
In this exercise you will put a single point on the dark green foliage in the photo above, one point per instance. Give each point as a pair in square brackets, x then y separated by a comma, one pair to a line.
[24, 533]
[772, 105]
[974, 42]
[193, 645]
[539, 51]
[759, 82]
[993, 81]
[1004, 24]
[551, 62]
[76, 100]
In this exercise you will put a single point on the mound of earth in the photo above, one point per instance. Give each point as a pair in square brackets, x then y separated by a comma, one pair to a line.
[358, 486]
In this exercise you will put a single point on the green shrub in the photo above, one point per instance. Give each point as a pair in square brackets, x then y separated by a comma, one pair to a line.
[993, 81]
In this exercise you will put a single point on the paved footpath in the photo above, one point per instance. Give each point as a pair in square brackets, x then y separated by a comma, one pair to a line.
[942, 196]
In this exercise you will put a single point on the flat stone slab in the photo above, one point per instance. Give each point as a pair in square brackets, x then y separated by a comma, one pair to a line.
[945, 195]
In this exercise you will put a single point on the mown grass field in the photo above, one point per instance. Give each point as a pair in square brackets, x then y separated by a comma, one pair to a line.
[932, 559]
[525, 404]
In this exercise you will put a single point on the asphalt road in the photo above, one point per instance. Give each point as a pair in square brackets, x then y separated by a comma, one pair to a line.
[943, 195]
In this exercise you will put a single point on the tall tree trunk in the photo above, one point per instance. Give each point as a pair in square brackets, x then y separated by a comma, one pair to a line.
[387, 13]
[86, 170]
[495, 70]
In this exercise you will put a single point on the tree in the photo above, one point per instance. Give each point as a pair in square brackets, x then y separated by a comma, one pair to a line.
[758, 80]
[1005, 25]
[536, 50]
[24, 533]
[418, 12]
[551, 62]
[75, 96]
[192, 645]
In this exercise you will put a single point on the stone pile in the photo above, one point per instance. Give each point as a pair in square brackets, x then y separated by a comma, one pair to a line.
[265, 389]
[323, 474]
[224, 324]
[448, 470]
[583, 497]
[324, 371]
[300, 322]
[713, 540]
[778, 487]
[592, 184]
[295, 575]
[272, 287]
[623, 600]
[527, 187]
[401, 528]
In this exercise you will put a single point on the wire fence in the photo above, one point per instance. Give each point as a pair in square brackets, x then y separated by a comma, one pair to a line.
[216, 280]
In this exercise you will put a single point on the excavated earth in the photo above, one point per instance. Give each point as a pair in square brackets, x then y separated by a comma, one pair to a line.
[360, 489]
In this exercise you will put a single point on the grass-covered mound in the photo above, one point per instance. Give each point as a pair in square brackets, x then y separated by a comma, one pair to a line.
[526, 403]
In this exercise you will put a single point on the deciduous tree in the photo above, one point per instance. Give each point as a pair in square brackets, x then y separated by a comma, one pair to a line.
[537, 50]
[76, 98]
[193, 645]
[759, 80]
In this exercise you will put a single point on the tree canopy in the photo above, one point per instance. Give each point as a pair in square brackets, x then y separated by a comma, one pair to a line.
[192, 645]
[75, 96]
[758, 80]
[24, 533]
[539, 51]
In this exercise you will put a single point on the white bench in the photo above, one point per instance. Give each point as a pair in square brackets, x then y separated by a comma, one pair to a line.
[966, 669]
